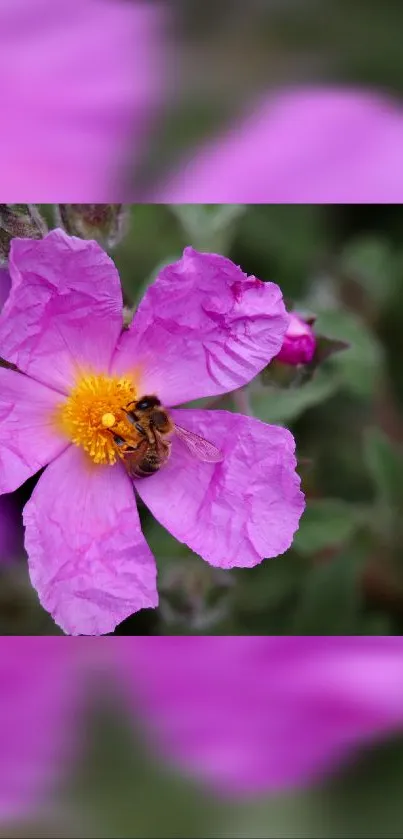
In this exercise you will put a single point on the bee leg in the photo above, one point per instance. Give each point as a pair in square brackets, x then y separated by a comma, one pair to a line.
[119, 441]
[133, 420]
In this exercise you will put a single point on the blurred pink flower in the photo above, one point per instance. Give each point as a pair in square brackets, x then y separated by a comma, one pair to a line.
[5, 286]
[299, 342]
[39, 693]
[11, 540]
[80, 81]
[262, 713]
[203, 328]
[245, 715]
[11, 532]
[314, 145]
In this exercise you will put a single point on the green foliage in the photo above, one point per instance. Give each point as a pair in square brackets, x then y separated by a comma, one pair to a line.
[282, 406]
[330, 600]
[209, 227]
[359, 367]
[385, 466]
[371, 263]
[325, 523]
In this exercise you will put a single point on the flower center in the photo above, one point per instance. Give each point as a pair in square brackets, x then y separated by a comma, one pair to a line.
[94, 406]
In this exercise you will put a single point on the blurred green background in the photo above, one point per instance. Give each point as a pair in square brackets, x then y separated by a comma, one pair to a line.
[344, 574]
[223, 58]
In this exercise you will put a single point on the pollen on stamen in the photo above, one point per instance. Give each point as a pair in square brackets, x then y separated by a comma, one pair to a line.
[108, 420]
[94, 406]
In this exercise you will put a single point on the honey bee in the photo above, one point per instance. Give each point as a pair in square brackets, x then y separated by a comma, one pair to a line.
[147, 446]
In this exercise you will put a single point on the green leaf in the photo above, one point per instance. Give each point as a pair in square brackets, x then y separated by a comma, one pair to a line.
[330, 600]
[268, 585]
[326, 347]
[326, 523]
[208, 227]
[360, 365]
[284, 405]
[369, 261]
[377, 624]
[283, 238]
[385, 466]
[164, 547]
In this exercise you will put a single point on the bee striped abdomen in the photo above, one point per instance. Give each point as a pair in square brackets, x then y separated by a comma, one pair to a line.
[150, 464]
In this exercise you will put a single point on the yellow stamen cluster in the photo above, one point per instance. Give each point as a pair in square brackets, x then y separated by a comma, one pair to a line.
[94, 406]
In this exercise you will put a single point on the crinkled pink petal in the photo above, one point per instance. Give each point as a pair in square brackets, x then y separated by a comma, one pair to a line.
[236, 512]
[88, 559]
[314, 145]
[80, 84]
[202, 328]
[265, 713]
[28, 436]
[64, 313]
[38, 697]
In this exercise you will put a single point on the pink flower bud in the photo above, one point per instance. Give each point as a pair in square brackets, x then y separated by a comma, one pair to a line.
[299, 343]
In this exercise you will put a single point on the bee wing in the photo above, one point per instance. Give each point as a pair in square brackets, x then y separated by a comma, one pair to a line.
[198, 446]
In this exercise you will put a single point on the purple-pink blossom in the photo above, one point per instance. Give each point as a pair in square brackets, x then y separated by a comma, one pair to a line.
[84, 83]
[11, 536]
[299, 342]
[243, 715]
[80, 83]
[313, 144]
[203, 328]
[10, 511]
[5, 285]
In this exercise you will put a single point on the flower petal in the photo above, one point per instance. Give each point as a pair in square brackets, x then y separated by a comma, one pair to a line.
[64, 312]
[37, 720]
[202, 328]
[11, 532]
[80, 105]
[236, 512]
[265, 713]
[28, 437]
[88, 559]
[5, 285]
[348, 148]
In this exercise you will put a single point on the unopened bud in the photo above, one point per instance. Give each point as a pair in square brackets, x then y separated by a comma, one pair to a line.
[299, 342]
[19, 220]
[106, 223]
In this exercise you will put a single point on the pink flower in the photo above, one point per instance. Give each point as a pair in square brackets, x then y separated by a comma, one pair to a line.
[313, 145]
[11, 538]
[80, 81]
[5, 285]
[299, 343]
[10, 512]
[202, 329]
[245, 715]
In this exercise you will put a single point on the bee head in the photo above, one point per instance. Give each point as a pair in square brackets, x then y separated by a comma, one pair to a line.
[146, 402]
